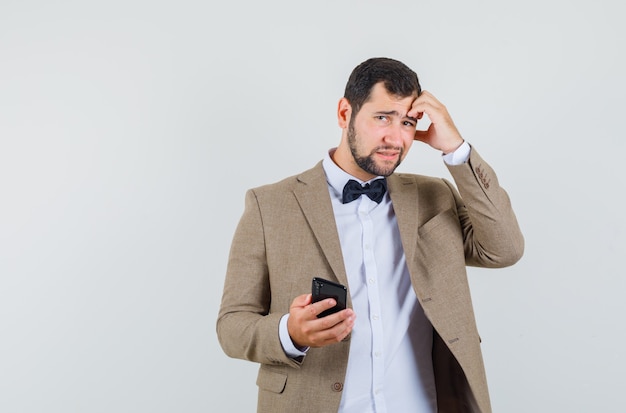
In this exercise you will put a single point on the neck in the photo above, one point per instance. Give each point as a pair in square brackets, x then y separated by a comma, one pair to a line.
[343, 158]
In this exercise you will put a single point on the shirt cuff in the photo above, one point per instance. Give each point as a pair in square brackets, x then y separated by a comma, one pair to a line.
[290, 349]
[459, 156]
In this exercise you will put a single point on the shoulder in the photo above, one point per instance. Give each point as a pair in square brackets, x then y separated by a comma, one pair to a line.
[430, 189]
[421, 182]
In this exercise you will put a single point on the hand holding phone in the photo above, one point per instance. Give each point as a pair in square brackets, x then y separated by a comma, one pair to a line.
[322, 289]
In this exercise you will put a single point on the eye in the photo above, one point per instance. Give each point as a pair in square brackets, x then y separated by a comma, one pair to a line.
[383, 118]
[409, 123]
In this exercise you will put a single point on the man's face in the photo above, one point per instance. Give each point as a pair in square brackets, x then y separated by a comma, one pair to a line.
[380, 134]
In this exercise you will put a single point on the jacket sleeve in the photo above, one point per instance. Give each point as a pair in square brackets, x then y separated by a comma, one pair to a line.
[492, 237]
[245, 328]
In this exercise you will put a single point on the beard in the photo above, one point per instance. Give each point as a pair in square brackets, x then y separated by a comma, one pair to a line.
[367, 162]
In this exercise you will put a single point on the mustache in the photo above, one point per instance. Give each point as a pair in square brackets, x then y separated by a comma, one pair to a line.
[388, 148]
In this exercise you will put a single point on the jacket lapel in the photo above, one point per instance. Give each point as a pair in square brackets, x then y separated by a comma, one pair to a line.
[404, 197]
[314, 199]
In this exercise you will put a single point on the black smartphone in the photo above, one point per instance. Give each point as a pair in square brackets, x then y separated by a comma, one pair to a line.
[323, 289]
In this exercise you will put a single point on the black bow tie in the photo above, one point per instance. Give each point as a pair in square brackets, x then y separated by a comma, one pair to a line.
[375, 191]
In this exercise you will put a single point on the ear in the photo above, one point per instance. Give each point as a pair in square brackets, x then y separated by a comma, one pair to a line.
[344, 111]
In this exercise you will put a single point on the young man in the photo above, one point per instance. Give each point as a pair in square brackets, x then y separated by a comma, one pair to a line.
[399, 242]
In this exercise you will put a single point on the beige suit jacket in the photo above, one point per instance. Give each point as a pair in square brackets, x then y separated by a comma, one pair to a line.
[287, 235]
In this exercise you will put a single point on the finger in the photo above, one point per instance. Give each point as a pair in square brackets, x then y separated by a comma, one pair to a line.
[426, 96]
[335, 327]
[301, 300]
[340, 325]
[426, 102]
[323, 305]
[419, 107]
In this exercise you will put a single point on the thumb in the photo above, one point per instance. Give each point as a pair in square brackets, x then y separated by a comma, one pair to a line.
[421, 135]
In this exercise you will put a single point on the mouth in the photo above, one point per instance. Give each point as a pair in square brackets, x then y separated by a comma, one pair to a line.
[388, 154]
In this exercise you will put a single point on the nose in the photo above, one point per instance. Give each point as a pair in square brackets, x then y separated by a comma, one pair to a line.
[395, 134]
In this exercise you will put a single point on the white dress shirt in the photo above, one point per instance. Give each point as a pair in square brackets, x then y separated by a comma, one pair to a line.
[390, 362]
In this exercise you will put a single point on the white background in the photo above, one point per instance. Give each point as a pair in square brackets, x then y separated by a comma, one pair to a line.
[130, 130]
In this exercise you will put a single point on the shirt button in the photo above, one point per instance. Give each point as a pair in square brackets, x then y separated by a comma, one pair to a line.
[337, 386]
[377, 354]
[371, 281]
[375, 317]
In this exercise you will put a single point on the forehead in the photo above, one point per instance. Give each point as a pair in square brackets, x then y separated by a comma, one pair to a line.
[381, 99]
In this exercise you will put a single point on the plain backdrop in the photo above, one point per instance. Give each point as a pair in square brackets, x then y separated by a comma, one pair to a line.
[130, 130]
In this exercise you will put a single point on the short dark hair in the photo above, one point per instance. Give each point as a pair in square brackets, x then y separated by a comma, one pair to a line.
[398, 78]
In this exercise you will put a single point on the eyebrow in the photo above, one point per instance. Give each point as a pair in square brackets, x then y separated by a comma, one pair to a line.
[394, 113]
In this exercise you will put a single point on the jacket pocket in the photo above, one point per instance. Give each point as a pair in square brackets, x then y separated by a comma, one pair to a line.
[271, 380]
[444, 217]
